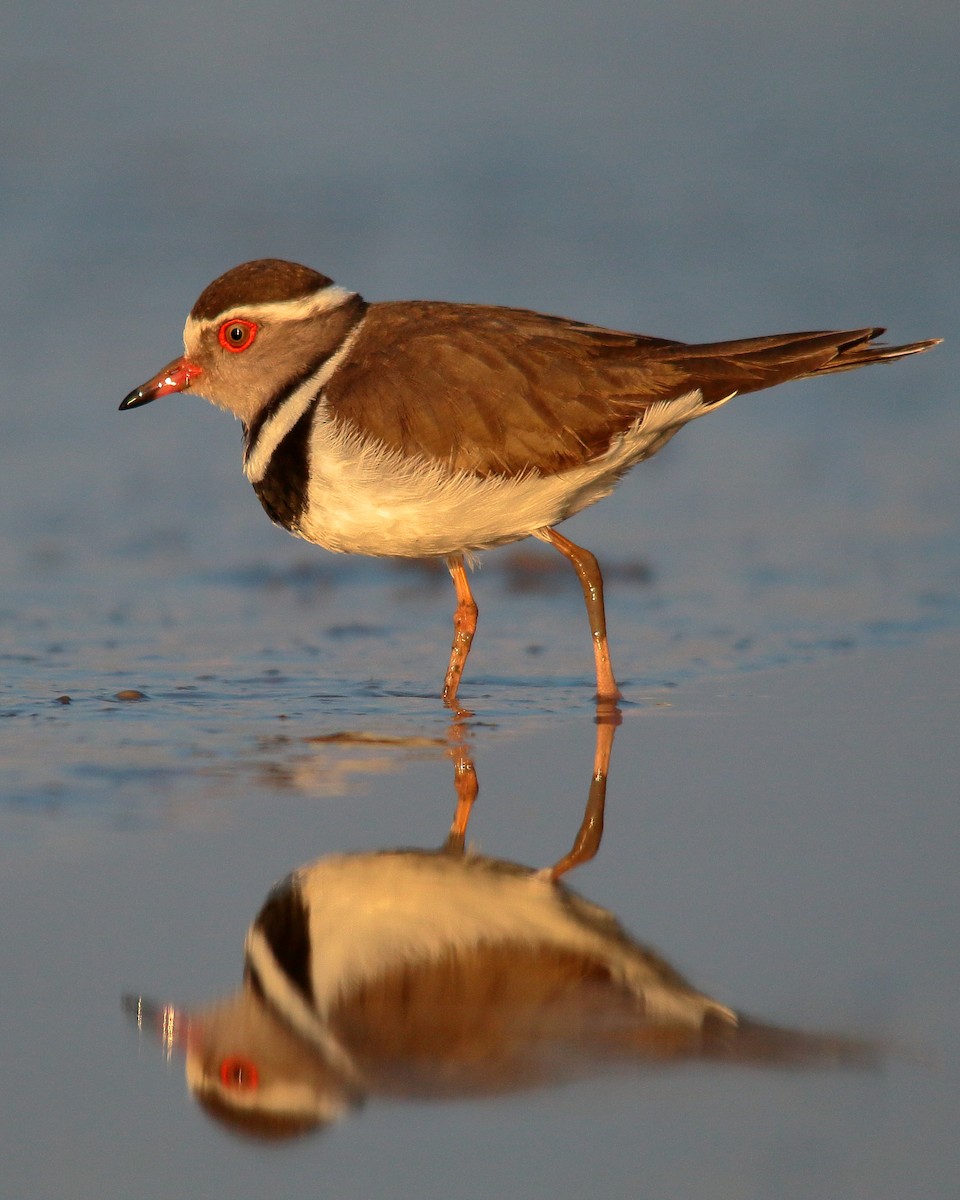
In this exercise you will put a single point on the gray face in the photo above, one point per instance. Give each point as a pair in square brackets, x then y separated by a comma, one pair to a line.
[275, 354]
[252, 355]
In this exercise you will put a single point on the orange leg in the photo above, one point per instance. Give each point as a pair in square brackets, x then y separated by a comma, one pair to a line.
[588, 572]
[464, 627]
[587, 842]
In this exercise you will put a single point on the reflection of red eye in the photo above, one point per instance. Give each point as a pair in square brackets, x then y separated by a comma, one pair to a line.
[239, 1073]
[236, 335]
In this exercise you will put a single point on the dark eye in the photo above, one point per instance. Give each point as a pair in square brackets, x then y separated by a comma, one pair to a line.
[237, 334]
[239, 1073]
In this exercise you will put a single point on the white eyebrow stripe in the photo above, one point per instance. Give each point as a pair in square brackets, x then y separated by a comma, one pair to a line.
[297, 309]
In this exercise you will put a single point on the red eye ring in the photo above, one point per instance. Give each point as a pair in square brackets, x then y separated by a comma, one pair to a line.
[239, 1074]
[236, 334]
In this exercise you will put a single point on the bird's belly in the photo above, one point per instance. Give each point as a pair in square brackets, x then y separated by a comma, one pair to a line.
[365, 498]
[381, 503]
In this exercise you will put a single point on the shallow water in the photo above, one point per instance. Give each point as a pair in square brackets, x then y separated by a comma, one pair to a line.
[192, 704]
[786, 836]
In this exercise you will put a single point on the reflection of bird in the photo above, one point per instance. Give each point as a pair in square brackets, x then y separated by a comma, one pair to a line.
[416, 429]
[426, 974]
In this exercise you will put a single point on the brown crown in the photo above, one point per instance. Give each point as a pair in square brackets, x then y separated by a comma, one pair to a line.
[262, 281]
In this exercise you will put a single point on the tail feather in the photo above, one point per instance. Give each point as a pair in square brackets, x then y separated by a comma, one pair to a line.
[862, 351]
[720, 369]
[722, 1036]
[751, 1041]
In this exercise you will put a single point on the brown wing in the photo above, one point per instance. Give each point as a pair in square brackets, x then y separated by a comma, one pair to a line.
[493, 390]
[495, 1018]
[499, 391]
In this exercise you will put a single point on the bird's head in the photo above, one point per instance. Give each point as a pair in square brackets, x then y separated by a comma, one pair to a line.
[254, 335]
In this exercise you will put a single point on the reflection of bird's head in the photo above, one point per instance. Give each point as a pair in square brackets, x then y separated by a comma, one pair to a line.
[249, 1070]
[246, 1068]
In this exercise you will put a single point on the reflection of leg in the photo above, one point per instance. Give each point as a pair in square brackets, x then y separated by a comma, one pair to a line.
[588, 572]
[464, 627]
[465, 783]
[587, 842]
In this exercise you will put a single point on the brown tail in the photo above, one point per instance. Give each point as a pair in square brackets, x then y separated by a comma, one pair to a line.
[722, 368]
[751, 1041]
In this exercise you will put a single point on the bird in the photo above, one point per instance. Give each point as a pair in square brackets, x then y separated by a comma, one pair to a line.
[424, 974]
[426, 429]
